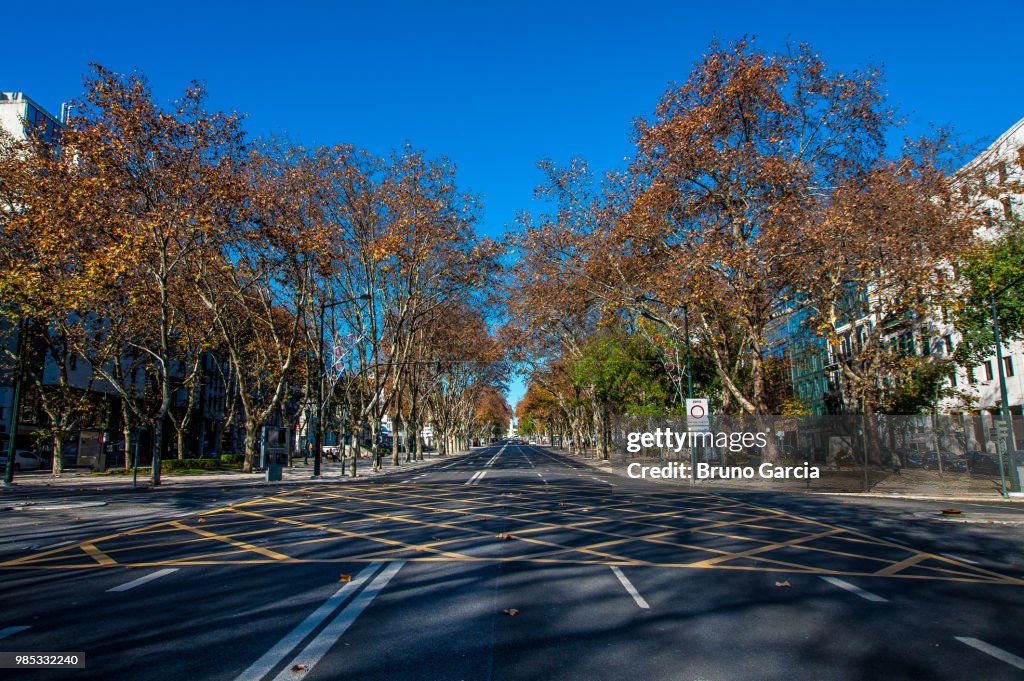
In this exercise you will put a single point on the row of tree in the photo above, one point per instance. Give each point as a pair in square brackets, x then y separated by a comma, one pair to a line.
[328, 281]
[761, 205]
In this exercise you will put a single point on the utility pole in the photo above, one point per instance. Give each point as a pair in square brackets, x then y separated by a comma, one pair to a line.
[1004, 406]
[321, 372]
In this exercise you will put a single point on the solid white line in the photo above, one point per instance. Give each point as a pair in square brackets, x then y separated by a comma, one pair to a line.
[142, 580]
[10, 631]
[962, 560]
[896, 541]
[482, 474]
[53, 546]
[270, 659]
[319, 646]
[989, 649]
[473, 479]
[630, 588]
[866, 595]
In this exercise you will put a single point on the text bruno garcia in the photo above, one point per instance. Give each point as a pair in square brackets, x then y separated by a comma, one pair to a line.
[675, 441]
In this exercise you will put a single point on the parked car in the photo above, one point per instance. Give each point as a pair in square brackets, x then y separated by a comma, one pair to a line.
[912, 459]
[23, 461]
[982, 463]
[950, 462]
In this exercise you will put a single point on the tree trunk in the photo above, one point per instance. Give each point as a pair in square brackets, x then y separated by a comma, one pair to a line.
[58, 454]
[251, 436]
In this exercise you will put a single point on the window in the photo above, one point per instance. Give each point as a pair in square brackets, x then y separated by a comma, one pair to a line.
[948, 340]
[988, 370]
[73, 362]
[1008, 366]
[969, 374]
[1007, 208]
[952, 380]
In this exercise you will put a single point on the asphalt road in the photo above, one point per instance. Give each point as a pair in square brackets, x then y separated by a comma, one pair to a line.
[513, 563]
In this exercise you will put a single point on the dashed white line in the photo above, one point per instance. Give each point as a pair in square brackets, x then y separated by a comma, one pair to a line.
[959, 558]
[866, 595]
[542, 478]
[142, 580]
[270, 659]
[325, 640]
[989, 649]
[10, 631]
[53, 546]
[630, 588]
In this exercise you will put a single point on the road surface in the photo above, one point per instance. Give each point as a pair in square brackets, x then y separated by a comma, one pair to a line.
[515, 562]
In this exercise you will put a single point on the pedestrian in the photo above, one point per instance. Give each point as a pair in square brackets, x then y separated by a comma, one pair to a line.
[897, 465]
[309, 452]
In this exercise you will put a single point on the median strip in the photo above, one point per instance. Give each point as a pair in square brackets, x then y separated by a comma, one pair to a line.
[270, 659]
[319, 646]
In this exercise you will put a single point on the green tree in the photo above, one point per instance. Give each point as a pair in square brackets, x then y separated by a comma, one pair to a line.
[996, 266]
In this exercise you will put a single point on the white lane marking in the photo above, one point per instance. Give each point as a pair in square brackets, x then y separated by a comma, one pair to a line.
[405, 481]
[542, 478]
[472, 480]
[808, 517]
[894, 540]
[482, 474]
[847, 527]
[319, 646]
[959, 558]
[630, 588]
[866, 595]
[10, 631]
[53, 546]
[604, 481]
[270, 659]
[142, 580]
[989, 649]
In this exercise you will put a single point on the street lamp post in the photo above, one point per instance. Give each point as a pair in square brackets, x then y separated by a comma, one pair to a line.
[321, 371]
[22, 348]
[1004, 404]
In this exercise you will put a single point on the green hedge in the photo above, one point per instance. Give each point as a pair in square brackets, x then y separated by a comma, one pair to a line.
[232, 458]
[194, 464]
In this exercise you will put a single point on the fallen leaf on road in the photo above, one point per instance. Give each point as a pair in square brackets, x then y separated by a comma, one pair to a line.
[511, 612]
[783, 585]
[345, 578]
[504, 535]
[202, 520]
[77, 518]
[298, 667]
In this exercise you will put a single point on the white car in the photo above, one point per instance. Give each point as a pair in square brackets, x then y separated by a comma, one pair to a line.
[23, 461]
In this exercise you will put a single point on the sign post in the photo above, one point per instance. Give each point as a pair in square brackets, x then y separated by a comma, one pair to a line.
[698, 420]
[275, 451]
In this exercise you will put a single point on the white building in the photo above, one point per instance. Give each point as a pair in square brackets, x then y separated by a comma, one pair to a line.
[997, 172]
[18, 116]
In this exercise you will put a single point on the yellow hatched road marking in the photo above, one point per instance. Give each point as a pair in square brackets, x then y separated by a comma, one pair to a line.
[97, 555]
[234, 542]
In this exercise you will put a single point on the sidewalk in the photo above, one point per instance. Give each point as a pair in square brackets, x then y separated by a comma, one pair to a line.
[297, 474]
[912, 484]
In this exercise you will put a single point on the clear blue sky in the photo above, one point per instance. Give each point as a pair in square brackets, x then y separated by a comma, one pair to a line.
[497, 86]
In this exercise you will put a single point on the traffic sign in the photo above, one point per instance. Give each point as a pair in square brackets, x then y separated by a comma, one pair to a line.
[698, 414]
[1000, 427]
